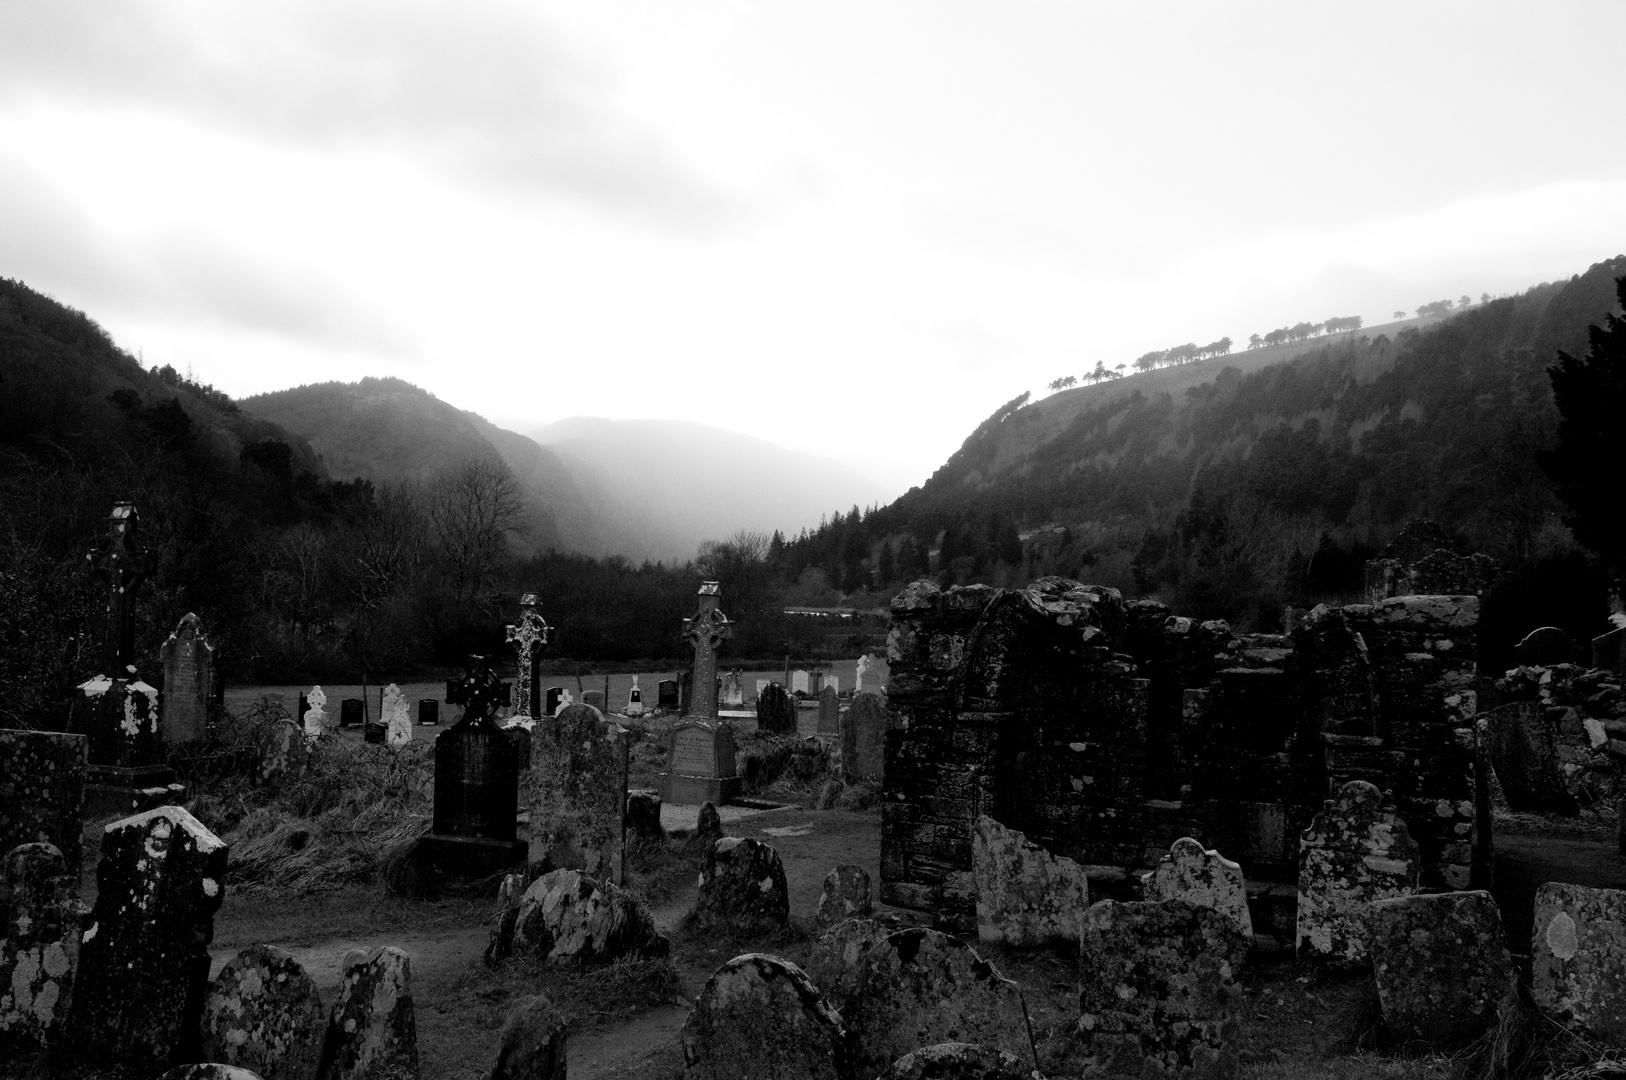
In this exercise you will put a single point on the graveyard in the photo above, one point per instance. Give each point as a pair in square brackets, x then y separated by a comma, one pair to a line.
[1049, 833]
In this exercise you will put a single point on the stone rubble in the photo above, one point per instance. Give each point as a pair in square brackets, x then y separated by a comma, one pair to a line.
[568, 919]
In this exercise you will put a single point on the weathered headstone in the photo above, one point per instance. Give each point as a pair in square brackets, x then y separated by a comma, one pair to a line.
[706, 632]
[799, 682]
[210, 1070]
[352, 712]
[1578, 959]
[644, 814]
[762, 684]
[188, 661]
[1025, 895]
[144, 958]
[568, 919]
[733, 689]
[593, 699]
[1545, 647]
[42, 790]
[553, 700]
[429, 712]
[578, 812]
[263, 1012]
[1356, 851]
[372, 1031]
[635, 699]
[846, 895]
[1523, 748]
[863, 737]
[958, 1061]
[836, 959]
[314, 714]
[476, 784]
[1441, 965]
[872, 674]
[701, 765]
[666, 693]
[742, 888]
[759, 1017]
[39, 946]
[1205, 878]
[1161, 995]
[829, 712]
[776, 711]
[922, 987]
[708, 824]
[528, 636]
[397, 717]
[531, 1045]
[283, 751]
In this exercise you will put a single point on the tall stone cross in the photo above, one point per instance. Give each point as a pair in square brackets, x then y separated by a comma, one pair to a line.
[528, 636]
[706, 631]
[123, 566]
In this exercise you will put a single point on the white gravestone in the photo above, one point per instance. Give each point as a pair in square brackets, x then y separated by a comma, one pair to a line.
[397, 717]
[635, 699]
[315, 717]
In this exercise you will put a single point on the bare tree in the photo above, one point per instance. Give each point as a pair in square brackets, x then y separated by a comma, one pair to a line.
[474, 509]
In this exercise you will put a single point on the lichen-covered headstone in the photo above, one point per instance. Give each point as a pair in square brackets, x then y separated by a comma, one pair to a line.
[316, 720]
[211, 1071]
[372, 1032]
[1025, 895]
[39, 946]
[578, 812]
[144, 958]
[836, 958]
[264, 1013]
[1441, 965]
[846, 895]
[1159, 989]
[1523, 748]
[284, 752]
[397, 716]
[532, 1043]
[188, 661]
[742, 888]
[958, 1061]
[567, 918]
[1204, 877]
[1578, 959]
[863, 737]
[1355, 851]
[760, 1017]
[42, 790]
[920, 987]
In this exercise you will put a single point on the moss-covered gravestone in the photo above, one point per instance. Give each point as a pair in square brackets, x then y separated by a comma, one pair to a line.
[579, 775]
[742, 888]
[760, 1017]
[39, 946]
[372, 1033]
[1578, 961]
[264, 1013]
[1356, 851]
[42, 790]
[1441, 966]
[144, 958]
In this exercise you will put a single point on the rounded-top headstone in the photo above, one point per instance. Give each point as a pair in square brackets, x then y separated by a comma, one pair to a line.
[836, 959]
[957, 1061]
[760, 1017]
[211, 1071]
[373, 1028]
[1205, 877]
[742, 888]
[532, 1043]
[846, 896]
[264, 1013]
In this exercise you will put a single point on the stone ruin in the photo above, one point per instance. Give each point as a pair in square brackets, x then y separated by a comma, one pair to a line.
[1425, 560]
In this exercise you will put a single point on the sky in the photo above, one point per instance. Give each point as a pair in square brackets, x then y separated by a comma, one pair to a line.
[854, 229]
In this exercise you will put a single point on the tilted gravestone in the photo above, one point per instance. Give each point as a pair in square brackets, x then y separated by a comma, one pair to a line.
[579, 776]
[1523, 748]
[1025, 895]
[264, 1013]
[39, 946]
[863, 737]
[42, 790]
[701, 764]
[188, 661]
[1545, 647]
[776, 711]
[373, 1028]
[397, 717]
[144, 958]
[829, 711]
[476, 784]
[1441, 966]
[1205, 878]
[1578, 959]
[1355, 851]
[761, 1016]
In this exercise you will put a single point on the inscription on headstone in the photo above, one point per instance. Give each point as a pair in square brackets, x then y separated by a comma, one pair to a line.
[701, 767]
[188, 661]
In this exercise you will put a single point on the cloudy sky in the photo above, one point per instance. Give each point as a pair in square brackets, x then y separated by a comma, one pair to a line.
[851, 228]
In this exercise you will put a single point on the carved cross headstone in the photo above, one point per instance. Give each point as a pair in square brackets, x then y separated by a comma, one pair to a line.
[706, 632]
[123, 567]
[528, 636]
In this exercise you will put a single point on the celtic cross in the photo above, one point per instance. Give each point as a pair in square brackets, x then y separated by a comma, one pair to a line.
[705, 632]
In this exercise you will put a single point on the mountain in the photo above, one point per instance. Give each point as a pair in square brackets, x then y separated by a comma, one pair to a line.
[662, 486]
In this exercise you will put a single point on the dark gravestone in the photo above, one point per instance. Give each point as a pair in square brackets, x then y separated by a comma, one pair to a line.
[1607, 652]
[829, 711]
[428, 712]
[374, 732]
[776, 711]
[350, 712]
[701, 766]
[1545, 647]
[39, 946]
[144, 958]
[863, 737]
[188, 661]
[42, 791]
[666, 694]
[476, 784]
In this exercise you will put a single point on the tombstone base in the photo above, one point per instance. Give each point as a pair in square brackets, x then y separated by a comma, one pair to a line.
[468, 858]
[111, 790]
[694, 790]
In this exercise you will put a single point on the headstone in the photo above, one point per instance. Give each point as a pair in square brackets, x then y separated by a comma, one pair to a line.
[921, 987]
[428, 712]
[594, 699]
[706, 632]
[374, 732]
[579, 776]
[701, 765]
[1578, 959]
[531, 1045]
[476, 784]
[666, 694]
[863, 738]
[829, 712]
[42, 790]
[776, 711]
[144, 957]
[644, 814]
[846, 896]
[1162, 997]
[733, 690]
[352, 712]
[528, 636]
[283, 751]
[742, 888]
[1442, 967]
[759, 1017]
[1607, 652]
[762, 684]
[1025, 895]
[264, 1013]
[635, 699]
[188, 661]
[1205, 878]
[1355, 851]
[799, 682]
[315, 714]
[553, 700]
[836, 959]
[872, 674]
[373, 1029]
[210, 1070]
[1523, 748]
[39, 946]
[1545, 647]
[708, 824]
[397, 717]
[567, 919]
[957, 1061]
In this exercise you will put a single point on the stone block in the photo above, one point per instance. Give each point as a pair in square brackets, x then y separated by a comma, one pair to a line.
[760, 1017]
[846, 895]
[742, 888]
[1025, 895]
[1578, 959]
[263, 1013]
[1523, 749]
[1203, 877]
[39, 946]
[532, 1043]
[1356, 851]
[372, 1032]
[568, 919]
[1442, 967]
[1160, 993]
